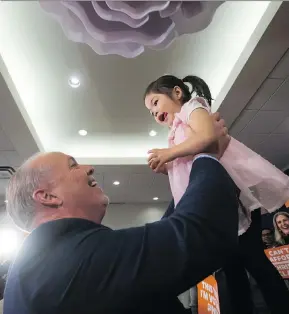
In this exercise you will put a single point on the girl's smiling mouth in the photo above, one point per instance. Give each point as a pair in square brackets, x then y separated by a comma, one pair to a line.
[162, 117]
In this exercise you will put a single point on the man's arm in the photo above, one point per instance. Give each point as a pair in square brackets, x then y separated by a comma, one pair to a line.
[173, 254]
[169, 210]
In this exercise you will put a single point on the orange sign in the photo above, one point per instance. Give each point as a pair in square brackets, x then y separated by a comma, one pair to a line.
[279, 257]
[287, 204]
[208, 297]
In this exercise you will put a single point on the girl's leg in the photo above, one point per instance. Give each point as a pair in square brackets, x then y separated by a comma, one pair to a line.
[266, 275]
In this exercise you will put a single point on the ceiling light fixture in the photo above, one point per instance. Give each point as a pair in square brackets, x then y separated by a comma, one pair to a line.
[116, 183]
[82, 132]
[74, 82]
[153, 133]
[155, 198]
[6, 201]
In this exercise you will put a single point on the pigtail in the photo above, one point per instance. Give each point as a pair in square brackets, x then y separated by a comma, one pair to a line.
[199, 87]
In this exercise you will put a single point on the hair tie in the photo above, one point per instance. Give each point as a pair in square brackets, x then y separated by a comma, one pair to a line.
[188, 86]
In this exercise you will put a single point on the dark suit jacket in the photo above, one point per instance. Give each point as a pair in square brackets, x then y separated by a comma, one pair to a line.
[74, 266]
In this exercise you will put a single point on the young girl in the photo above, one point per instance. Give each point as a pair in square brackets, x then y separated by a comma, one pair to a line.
[261, 184]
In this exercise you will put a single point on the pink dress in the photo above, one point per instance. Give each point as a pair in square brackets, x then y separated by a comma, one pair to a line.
[261, 183]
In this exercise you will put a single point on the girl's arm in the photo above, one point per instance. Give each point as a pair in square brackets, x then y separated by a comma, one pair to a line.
[204, 137]
[206, 130]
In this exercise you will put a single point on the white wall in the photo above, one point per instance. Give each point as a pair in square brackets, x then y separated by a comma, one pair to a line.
[131, 215]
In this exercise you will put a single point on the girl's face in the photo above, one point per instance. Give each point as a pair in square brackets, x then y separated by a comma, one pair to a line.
[282, 222]
[162, 107]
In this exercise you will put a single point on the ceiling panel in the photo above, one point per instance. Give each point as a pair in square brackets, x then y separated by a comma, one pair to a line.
[275, 149]
[144, 187]
[3, 160]
[264, 122]
[5, 143]
[244, 118]
[13, 158]
[10, 158]
[117, 193]
[161, 186]
[266, 90]
[279, 100]
[283, 127]
[275, 143]
[140, 188]
[279, 159]
[282, 68]
[253, 141]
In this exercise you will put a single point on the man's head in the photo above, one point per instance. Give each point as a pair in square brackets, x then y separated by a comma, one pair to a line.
[52, 186]
[267, 236]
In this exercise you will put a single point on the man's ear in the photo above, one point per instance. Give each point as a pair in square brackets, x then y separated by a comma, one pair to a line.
[46, 198]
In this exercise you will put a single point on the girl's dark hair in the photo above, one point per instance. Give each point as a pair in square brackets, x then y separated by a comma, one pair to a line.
[165, 85]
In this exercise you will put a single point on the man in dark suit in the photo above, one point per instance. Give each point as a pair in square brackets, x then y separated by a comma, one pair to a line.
[72, 264]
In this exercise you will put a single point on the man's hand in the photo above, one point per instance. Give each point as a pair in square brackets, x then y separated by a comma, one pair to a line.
[222, 132]
[220, 127]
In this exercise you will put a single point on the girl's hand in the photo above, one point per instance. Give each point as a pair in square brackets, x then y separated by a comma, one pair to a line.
[159, 157]
[163, 169]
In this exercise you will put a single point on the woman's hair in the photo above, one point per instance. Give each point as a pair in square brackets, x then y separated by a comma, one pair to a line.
[278, 234]
[165, 85]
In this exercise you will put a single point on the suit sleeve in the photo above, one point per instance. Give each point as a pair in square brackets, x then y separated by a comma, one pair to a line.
[169, 210]
[176, 253]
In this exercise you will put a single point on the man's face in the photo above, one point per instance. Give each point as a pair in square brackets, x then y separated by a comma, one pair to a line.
[75, 187]
[267, 236]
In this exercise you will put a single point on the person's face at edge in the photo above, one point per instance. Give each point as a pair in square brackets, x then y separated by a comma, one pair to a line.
[267, 236]
[282, 222]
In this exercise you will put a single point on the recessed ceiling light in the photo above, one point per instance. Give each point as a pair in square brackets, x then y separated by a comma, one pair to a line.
[153, 133]
[82, 132]
[116, 183]
[74, 82]
[6, 201]
[155, 198]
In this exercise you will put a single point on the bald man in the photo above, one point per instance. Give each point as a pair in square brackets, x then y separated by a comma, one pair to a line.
[72, 264]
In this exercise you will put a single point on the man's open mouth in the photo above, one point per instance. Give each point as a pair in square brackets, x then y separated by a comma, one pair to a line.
[92, 182]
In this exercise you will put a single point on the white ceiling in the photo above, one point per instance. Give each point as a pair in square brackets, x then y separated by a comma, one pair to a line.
[137, 184]
[39, 111]
[38, 60]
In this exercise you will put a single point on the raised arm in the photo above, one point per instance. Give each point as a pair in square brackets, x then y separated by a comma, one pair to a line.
[173, 254]
[204, 136]
[208, 135]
